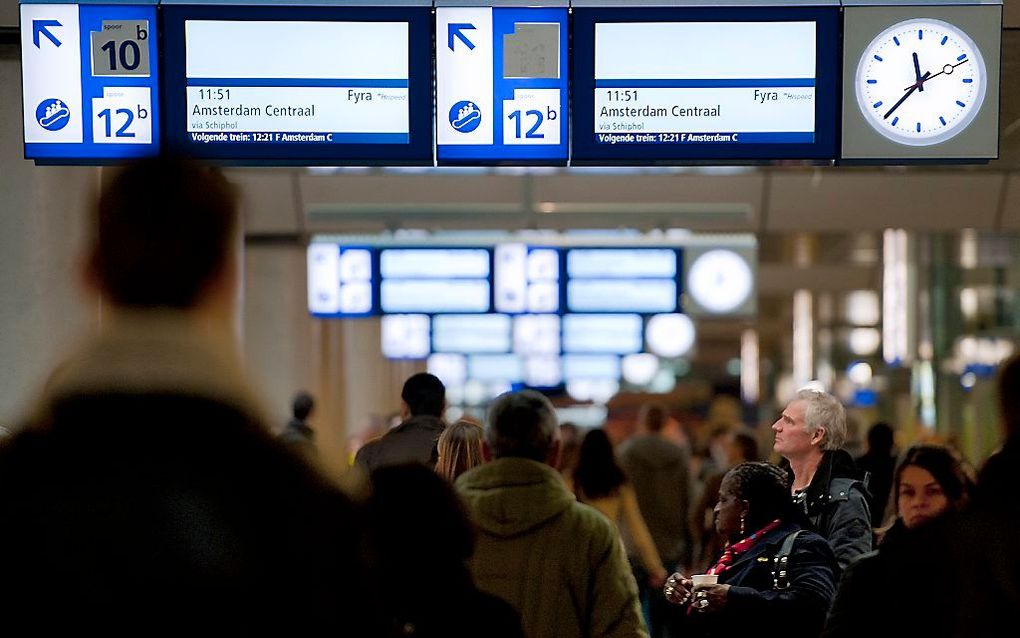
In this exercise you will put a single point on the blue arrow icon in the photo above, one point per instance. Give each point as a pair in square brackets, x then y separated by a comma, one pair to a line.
[455, 29]
[42, 27]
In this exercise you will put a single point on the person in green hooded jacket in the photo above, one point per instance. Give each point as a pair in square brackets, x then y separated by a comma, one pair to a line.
[558, 562]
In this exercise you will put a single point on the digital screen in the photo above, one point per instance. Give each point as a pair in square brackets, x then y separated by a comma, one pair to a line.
[691, 83]
[616, 334]
[543, 371]
[471, 333]
[279, 83]
[622, 295]
[434, 295]
[429, 263]
[495, 367]
[450, 368]
[405, 336]
[339, 280]
[501, 85]
[90, 78]
[526, 279]
[590, 366]
[621, 262]
[537, 334]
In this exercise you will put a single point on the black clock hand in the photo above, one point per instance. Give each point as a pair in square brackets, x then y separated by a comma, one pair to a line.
[910, 90]
[917, 74]
[942, 72]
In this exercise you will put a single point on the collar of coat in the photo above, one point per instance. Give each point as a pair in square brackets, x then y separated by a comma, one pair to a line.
[151, 352]
[762, 551]
[835, 464]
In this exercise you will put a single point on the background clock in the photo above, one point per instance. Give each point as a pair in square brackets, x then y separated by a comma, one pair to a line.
[921, 82]
[720, 281]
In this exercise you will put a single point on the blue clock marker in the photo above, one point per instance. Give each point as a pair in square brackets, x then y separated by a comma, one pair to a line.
[872, 81]
[943, 120]
[920, 34]
[944, 40]
[878, 104]
[960, 103]
[918, 127]
[896, 40]
[967, 80]
[895, 119]
[878, 58]
[962, 57]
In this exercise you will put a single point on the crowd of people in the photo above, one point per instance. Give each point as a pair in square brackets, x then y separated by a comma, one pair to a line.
[146, 493]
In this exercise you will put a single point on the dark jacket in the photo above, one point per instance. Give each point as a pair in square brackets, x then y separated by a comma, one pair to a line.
[413, 441]
[986, 544]
[836, 505]
[874, 588]
[658, 470]
[754, 607]
[880, 469]
[146, 495]
[299, 437]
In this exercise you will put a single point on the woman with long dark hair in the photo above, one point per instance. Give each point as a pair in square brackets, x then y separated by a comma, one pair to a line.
[600, 482]
[930, 482]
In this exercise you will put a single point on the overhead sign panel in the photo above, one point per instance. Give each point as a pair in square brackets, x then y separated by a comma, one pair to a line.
[300, 83]
[90, 81]
[700, 84]
[501, 85]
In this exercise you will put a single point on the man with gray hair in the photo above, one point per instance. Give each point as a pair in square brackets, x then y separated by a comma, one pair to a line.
[558, 562]
[810, 434]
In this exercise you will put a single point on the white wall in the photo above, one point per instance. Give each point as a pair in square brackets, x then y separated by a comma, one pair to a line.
[41, 230]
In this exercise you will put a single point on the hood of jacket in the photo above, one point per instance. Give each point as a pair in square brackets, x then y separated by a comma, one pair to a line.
[511, 496]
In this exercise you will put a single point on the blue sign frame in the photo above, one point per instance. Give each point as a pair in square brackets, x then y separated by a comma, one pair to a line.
[504, 22]
[417, 150]
[585, 150]
[91, 15]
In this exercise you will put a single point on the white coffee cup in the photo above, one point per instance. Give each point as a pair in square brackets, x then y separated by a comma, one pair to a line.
[703, 580]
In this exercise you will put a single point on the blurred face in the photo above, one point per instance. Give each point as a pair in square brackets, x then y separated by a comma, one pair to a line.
[728, 511]
[920, 497]
[792, 438]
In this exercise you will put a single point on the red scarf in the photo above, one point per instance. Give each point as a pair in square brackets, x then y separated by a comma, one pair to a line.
[738, 548]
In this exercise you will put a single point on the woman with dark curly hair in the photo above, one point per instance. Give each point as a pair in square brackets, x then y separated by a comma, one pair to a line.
[773, 577]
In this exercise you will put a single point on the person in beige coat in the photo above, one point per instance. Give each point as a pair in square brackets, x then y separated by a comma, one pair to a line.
[558, 562]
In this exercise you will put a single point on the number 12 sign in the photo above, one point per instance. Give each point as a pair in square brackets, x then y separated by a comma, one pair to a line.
[501, 85]
[91, 86]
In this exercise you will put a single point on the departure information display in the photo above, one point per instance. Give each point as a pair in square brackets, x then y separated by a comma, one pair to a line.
[702, 83]
[306, 83]
[91, 81]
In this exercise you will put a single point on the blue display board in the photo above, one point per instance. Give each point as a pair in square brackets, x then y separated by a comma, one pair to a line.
[301, 84]
[703, 84]
[90, 82]
[501, 85]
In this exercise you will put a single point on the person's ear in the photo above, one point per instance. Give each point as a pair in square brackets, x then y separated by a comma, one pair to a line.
[553, 456]
[818, 436]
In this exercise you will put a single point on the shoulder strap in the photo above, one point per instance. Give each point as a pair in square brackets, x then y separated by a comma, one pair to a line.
[780, 577]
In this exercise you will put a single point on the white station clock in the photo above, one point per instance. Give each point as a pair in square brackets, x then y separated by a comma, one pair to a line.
[921, 82]
[720, 281]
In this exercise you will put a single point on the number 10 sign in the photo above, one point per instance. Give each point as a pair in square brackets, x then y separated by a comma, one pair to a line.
[91, 86]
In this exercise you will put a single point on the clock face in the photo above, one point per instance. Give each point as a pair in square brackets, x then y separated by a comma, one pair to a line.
[921, 82]
[720, 281]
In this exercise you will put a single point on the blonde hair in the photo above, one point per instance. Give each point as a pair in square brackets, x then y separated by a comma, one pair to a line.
[460, 449]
